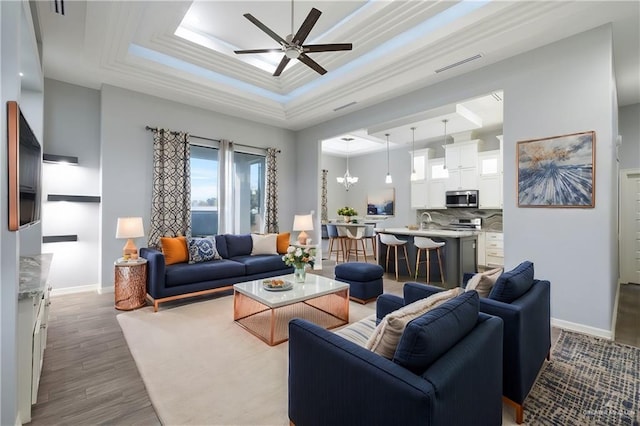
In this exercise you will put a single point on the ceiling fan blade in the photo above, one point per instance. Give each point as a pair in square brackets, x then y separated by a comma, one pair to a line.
[264, 28]
[283, 63]
[327, 47]
[257, 51]
[306, 26]
[311, 64]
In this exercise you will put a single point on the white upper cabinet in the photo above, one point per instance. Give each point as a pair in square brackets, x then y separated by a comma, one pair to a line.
[438, 176]
[462, 164]
[490, 179]
[419, 194]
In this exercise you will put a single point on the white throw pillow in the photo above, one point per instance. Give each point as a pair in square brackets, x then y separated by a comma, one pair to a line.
[483, 282]
[264, 244]
[386, 336]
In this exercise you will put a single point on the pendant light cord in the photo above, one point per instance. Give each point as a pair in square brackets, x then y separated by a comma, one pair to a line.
[413, 151]
[387, 135]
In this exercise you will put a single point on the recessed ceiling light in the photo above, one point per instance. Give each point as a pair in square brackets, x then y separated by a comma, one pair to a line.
[21, 74]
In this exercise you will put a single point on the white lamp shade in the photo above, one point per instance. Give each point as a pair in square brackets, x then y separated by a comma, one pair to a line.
[129, 227]
[303, 222]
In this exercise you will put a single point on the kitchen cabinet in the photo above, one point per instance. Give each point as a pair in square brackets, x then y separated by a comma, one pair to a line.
[419, 190]
[494, 249]
[33, 315]
[461, 159]
[462, 179]
[490, 179]
[437, 183]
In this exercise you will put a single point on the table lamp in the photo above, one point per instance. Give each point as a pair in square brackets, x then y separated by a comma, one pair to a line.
[302, 222]
[129, 228]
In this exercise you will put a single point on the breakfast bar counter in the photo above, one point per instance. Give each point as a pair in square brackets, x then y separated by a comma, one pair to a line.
[458, 254]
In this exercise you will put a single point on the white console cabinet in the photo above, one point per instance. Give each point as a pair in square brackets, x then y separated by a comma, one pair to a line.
[33, 315]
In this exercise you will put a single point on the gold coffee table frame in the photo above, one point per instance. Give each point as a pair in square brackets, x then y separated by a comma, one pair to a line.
[266, 314]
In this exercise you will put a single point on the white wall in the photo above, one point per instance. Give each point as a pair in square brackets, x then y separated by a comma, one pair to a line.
[561, 88]
[629, 153]
[15, 23]
[126, 158]
[72, 127]
[567, 89]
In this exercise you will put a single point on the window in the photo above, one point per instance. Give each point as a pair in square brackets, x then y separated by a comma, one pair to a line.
[204, 190]
[245, 191]
[489, 166]
[249, 187]
[438, 170]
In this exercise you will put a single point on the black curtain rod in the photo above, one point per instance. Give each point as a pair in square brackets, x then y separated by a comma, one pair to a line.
[153, 129]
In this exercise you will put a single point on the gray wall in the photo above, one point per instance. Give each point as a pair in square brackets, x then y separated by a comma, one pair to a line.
[544, 92]
[72, 127]
[126, 158]
[629, 152]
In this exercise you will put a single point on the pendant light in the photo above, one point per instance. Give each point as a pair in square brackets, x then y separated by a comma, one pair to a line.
[414, 175]
[445, 143]
[347, 180]
[388, 178]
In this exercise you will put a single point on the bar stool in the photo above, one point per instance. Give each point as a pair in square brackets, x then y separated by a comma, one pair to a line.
[391, 241]
[370, 234]
[332, 231]
[354, 239]
[427, 244]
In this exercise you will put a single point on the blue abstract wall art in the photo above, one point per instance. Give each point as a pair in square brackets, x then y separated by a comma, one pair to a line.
[557, 171]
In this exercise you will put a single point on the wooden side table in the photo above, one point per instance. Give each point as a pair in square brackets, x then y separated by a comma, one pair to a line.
[130, 284]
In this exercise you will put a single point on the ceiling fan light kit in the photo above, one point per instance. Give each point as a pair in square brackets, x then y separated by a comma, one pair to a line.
[292, 46]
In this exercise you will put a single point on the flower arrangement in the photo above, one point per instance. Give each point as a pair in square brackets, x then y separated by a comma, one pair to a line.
[347, 211]
[298, 257]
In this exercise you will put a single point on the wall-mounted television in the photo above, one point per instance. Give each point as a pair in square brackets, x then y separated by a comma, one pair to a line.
[24, 158]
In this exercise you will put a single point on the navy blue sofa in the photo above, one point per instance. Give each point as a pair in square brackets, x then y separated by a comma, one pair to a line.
[523, 303]
[181, 280]
[447, 370]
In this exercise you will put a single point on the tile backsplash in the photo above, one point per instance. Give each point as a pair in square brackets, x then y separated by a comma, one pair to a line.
[491, 219]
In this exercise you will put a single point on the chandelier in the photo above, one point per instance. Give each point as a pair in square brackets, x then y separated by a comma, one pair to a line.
[347, 180]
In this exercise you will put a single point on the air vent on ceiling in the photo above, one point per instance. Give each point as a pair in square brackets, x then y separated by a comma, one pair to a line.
[464, 61]
[497, 97]
[57, 6]
[345, 106]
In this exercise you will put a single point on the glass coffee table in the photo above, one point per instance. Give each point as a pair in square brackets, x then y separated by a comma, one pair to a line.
[266, 313]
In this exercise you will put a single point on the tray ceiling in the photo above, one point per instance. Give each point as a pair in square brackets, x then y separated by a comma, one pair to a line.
[183, 50]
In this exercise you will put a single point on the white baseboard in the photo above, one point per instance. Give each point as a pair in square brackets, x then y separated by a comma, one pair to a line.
[105, 290]
[581, 328]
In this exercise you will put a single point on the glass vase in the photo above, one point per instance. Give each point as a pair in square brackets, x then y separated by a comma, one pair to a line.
[299, 274]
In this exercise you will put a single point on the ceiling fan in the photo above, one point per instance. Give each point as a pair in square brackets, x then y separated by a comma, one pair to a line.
[292, 45]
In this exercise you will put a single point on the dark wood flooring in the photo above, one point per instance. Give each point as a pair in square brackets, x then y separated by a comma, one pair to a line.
[89, 376]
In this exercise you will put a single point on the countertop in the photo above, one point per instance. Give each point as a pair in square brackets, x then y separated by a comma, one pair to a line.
[442, 233]
[34, 271]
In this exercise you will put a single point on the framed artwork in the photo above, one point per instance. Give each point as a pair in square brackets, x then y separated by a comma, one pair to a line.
[558, 171]
[381, 202]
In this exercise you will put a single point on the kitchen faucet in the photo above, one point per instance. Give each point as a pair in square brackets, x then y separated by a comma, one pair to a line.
[424, 224]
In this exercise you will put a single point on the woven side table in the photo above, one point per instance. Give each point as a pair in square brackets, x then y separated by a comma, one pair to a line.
[130, 284]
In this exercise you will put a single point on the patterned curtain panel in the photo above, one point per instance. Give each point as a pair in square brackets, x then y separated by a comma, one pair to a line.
[324, 214]
[171, 198]
[271, 219]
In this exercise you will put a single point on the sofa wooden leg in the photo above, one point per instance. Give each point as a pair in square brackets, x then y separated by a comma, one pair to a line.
[518, 407]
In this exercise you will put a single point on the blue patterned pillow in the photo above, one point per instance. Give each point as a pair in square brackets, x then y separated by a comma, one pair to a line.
[202, 250]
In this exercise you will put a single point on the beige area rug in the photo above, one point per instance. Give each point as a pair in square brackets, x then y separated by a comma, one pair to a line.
[201, 368]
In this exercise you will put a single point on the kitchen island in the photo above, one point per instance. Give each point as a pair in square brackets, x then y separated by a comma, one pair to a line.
[458, 254]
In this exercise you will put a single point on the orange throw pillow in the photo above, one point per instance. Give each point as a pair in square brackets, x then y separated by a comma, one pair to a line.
[283, 242]
[174, 250]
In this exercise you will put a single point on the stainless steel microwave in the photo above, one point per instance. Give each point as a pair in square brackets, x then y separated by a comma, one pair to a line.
[468, 198]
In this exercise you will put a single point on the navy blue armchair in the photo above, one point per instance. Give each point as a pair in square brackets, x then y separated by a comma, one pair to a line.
[333, 381]
[527, 332]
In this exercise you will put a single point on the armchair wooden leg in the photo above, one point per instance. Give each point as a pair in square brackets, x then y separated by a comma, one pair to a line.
[549, 355]
[519, 409]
